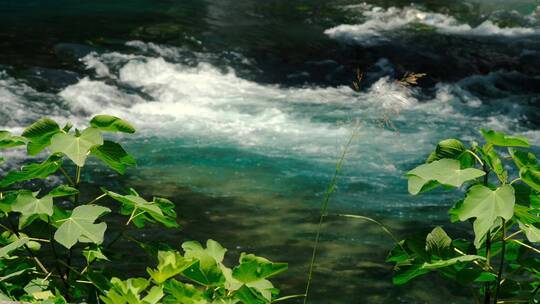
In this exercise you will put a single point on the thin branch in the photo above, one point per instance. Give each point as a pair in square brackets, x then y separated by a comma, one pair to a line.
[70, 181]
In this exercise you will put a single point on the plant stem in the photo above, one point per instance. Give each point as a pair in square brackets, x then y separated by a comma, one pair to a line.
[70, 181]
[501, 264]
[526, 246]
[35, 258]
[323, 212]
[487, 286]
[96, 199]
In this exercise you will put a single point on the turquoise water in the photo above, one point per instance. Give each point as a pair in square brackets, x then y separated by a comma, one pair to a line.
[243, 108]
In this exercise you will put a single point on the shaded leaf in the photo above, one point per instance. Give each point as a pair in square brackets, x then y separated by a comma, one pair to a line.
[114, 156]
[532, 232]
[16, 244]
[40, 134]
[523, 159]
[9, 141]
[531, 177]
[33, 171]
[503, 140]
[206, 270]
[92, 253]
[111, 124]
[253, 268]
[63, 190]
[437, 241]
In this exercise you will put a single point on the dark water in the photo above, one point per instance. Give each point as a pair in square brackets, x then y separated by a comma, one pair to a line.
[244, 106]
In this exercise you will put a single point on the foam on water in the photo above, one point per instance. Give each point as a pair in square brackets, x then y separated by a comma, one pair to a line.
[202, 106]
[380, 22]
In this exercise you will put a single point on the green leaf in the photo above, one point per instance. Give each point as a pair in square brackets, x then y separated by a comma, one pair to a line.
[127, 292]
[28, 204]
[40, 134]
[452, 261]
[487, 206]
[206, 270]
[450, 148]
[437, 241]
[170, 264]
[16, 244]
[33, 171]
[532, 232]
[531, 177]
[76, 147]
[63, 190]
[535, 200]
[253, 268]
[114, 156]
[523, 159]
[445, 171]
[159, 210]
[111, 124]
[9, 141]
[503, 140]
[80, 227]
[250, 296]
[405, 274]
[92, 253]
[492, 159]
[183, 293]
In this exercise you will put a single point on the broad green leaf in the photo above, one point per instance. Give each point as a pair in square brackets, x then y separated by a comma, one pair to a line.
[532, 232]
[33, 171]
[534, 198]
[253, 268]
[154, 295]
[126, 292]
[28, 204]
[63, 190]
[206, 270]
[445, 171]
[111, 124]
[503, 140]
[250, 296]
[40, 134]
[523, 159]
[492, 159]
[92, 253]
[114, 156]
[487, 206]
[159, 210]
[9, 141]
[418, 185]
[76, 147]
[80, 227]
[170, 264]
[526, 215]
[437, 241]
[448, 148]
[405, 274]
[16, 244]
[452, 261]
[183, 293]
[531, 177]
[8, 238]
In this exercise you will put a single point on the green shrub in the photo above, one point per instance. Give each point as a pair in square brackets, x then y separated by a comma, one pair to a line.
[43, 233]
[501, 264]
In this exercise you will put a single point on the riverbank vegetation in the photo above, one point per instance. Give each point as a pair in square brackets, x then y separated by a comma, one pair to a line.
[58, 248]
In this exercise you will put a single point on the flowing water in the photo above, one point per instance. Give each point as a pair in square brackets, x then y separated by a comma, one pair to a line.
[243, 108]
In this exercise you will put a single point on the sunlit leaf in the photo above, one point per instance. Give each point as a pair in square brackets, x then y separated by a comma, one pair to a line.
[503, 140]
[114, 156]
[80, 227]
[111, 124]
[492, 159]
[93, 252]
[76, 147]
[487, 206]
[206, 270]
[140, 211]
[452, 261]
[28, 204]
[183, 293]
[445, 171]
[532, 232]
[253, 268]
[40, 134]
[170, 264]
[9, 248]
